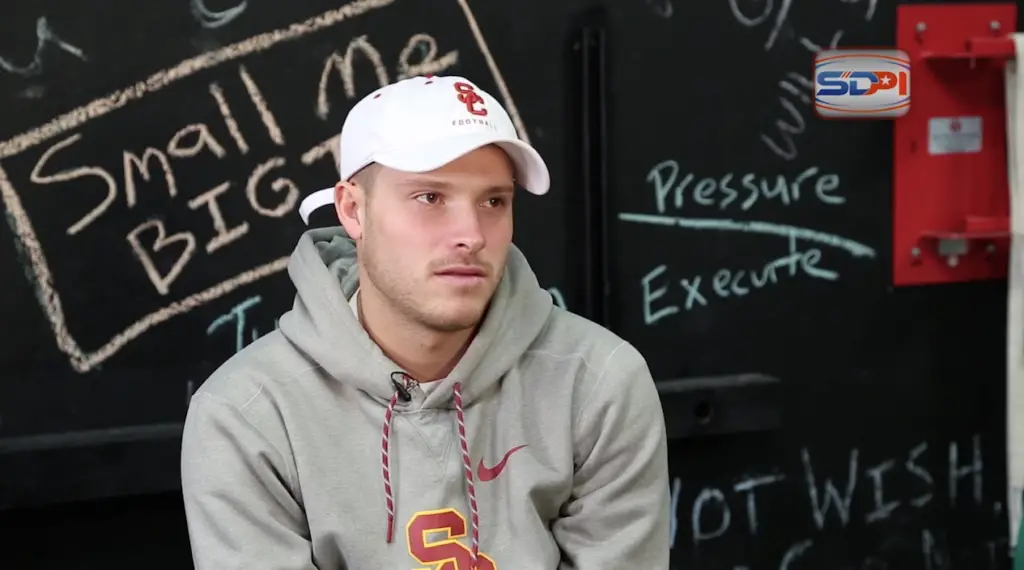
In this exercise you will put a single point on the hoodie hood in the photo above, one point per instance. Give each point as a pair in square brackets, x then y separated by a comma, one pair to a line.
[324, 270]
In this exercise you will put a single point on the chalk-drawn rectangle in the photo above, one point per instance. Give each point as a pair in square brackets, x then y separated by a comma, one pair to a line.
[228, 156]
[861, 84]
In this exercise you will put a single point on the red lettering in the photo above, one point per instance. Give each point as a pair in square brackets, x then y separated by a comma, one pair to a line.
[889, 80]
[445, 553]
[470, 98]
[886, 80]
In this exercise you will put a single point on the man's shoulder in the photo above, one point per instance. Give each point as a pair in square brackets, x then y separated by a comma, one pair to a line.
[605, 370]
[267, 361]
[236, 415]
[604, 352]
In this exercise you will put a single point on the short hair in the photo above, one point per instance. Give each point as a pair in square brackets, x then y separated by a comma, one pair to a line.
[366, 176]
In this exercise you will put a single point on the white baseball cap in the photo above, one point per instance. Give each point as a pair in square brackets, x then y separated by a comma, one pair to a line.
[422, 123]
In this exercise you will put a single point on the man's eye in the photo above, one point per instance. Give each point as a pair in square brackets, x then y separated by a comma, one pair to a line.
[496, 202]
[429, 198]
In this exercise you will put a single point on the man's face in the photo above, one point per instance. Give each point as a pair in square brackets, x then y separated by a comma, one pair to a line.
[434, 244]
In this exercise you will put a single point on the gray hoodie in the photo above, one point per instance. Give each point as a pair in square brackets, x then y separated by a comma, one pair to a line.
[544, 448]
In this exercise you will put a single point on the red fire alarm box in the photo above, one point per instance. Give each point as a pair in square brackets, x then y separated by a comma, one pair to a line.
[951, 196]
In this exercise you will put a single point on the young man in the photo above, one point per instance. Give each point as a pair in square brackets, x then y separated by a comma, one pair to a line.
[424, 404]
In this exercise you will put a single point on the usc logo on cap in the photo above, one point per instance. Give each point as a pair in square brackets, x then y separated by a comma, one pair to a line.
[468, 96]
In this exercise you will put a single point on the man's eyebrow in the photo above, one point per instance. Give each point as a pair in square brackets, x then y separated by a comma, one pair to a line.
[435, 184]
[424, 183]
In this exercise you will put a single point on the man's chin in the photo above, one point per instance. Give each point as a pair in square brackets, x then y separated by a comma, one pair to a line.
[455, 318]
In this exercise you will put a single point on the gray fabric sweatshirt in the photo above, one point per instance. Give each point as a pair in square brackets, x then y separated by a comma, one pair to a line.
[544, 448]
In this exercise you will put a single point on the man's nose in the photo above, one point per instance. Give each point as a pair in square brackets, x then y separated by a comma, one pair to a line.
[467, 230]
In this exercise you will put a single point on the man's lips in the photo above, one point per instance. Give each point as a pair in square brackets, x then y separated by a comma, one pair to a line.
[462, 271]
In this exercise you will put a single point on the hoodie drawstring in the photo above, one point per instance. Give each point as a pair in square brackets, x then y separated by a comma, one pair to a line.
[401, 392]
[384, 463]
[468, 465]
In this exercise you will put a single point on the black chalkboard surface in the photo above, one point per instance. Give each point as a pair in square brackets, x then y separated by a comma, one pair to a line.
[742, 205]
[152, 157]
[819, 418]
[746, 237]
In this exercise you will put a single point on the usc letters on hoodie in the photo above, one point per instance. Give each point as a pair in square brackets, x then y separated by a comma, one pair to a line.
[544, 448]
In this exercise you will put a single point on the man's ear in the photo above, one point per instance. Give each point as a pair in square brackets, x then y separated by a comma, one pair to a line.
[350, 203]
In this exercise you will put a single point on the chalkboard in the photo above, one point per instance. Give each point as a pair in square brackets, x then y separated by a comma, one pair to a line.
[819, 418]
[777, 220]
[745, 236]
[838, 505]
[152, 157]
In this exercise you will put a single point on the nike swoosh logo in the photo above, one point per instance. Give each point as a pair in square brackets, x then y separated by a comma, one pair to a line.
[491, 473]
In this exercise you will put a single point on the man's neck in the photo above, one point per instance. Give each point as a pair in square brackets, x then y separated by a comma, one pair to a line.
[425, 354]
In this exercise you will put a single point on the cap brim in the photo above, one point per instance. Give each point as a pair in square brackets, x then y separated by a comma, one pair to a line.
[315, 201]
[531, 172]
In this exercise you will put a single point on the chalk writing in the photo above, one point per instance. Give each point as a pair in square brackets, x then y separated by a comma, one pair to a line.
[727, 189]
[758, 16]
[215, 19]
[188, 142]
[343, 66]
[237, 314]
[815, 505]
[661, 8]
[44, 36]
[698, 290]
[753, 227]
[192, 141]
[557, 297]
[794, 122]
[795, 85]
[232, 203]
